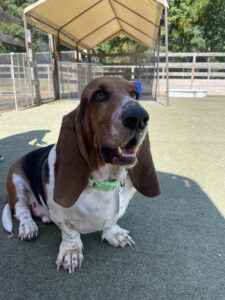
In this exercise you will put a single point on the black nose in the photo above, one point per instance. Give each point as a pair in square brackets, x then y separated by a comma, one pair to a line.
[135, 117]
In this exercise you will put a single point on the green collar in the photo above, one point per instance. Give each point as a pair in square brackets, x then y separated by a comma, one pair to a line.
[103, 185]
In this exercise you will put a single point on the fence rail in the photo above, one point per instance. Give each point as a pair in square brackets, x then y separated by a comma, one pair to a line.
[16, 82]
[186, 71]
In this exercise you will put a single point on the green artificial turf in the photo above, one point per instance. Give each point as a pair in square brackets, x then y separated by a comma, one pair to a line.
[179, 236]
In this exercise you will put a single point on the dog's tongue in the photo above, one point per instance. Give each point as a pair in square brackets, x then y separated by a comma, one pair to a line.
[126, 151]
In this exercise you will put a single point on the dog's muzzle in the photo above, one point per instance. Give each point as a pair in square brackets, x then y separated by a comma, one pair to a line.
[135, 118]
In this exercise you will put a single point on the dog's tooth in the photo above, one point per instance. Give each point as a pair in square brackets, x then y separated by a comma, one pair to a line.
[120, 150]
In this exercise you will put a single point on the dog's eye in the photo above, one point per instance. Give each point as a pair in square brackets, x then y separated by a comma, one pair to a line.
[134, 94]
[100, 96]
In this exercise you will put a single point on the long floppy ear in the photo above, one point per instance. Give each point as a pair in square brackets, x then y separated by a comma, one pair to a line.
[143, 174]
[71, 167]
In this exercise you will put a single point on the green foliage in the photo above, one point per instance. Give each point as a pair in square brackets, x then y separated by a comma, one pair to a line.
[196, 25]
[121, 44]
[14, 8]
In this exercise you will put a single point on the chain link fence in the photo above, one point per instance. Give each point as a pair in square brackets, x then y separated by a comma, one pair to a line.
[15, 79]
[44, 69]
[15, 83]
[73, 77]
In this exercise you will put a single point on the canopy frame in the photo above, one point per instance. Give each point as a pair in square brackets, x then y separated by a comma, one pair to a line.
[74, 41]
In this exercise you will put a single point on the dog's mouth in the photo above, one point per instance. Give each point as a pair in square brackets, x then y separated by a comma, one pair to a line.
[121, 155]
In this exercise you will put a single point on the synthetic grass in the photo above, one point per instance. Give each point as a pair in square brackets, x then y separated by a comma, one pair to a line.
[180, 236]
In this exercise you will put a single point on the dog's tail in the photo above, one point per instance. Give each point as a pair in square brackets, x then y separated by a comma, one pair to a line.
[7, 218]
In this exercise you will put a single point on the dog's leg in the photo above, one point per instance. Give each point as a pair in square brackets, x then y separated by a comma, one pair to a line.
[70, 254]
[27, 228]
[117, 236]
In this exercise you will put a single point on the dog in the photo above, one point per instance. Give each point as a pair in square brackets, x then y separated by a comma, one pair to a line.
[85, 182]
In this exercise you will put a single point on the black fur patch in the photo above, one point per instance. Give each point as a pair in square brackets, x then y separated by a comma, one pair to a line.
[32, 166]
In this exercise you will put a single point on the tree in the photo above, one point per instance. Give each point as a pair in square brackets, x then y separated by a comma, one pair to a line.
[14, 8]
[196, 25]
[210, 17]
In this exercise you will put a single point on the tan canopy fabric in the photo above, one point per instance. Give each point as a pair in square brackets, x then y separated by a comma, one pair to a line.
[88, 23]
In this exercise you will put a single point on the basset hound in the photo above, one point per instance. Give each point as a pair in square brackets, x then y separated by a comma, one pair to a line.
[85, 182]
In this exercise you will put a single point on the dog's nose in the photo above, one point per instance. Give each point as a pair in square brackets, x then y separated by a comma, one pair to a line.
[135, 117]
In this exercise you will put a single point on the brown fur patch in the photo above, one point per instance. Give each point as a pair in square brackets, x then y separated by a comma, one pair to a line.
[11, 188]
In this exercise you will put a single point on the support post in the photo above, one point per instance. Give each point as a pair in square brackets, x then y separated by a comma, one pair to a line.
[55, 69]
[13, 80]
[139, 66]
[89, 57]
[157, 68]
[167, 59]
[77, 52]
[36, 97]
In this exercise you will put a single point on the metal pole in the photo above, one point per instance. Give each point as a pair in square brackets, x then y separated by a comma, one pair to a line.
[77, 51]
[13, 80]
[24, 79]
[18, 67]
[28, 57]
[167, 60]
[157, 78]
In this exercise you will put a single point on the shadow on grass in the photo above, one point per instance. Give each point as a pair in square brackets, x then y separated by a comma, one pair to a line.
[15, 146]
[179, 251]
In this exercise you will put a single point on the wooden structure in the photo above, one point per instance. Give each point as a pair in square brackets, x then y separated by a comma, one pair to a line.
[29, 45]
[9, 39]
[185, 70]
[193, 71]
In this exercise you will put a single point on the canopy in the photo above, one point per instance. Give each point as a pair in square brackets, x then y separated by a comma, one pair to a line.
[88, 23]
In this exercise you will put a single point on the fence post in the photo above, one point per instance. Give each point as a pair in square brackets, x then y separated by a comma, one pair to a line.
[49, 80]
[55, 67]
[132, 73]
[157, 67]
[30, 46]
[13, 80]
[167, 58]
[193, 70]
[209, 72]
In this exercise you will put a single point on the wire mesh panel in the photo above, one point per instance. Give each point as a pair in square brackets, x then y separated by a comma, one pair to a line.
[73, 77]
[134, 67]
[68, 80]
[44, 68]
[147, 74]
[44, 64]
[15, 83]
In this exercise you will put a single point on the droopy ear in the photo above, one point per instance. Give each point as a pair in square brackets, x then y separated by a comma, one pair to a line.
[143, 174]
[71, 166]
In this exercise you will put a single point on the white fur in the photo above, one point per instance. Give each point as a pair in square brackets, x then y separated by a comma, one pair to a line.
[116, 117]
[27, 228]
[95, 210]
[7, 218]
[117, 236]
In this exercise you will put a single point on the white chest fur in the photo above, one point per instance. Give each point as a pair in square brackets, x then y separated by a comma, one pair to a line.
[94, 210]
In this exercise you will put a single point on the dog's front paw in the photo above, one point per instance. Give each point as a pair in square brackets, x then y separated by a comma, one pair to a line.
[69, 258]
[28, 229]
[117, 237]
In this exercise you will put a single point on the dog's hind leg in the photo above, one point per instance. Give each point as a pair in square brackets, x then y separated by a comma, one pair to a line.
[19, 197]
[28, 228]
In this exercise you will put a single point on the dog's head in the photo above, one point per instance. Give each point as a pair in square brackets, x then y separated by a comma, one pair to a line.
[114, 119]
[108, 127]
